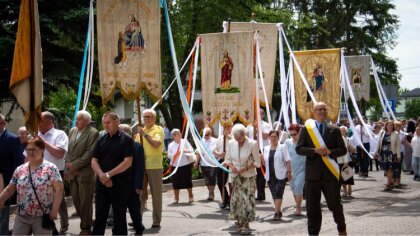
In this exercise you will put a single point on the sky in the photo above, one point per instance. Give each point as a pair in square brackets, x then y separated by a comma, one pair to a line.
[407, 51]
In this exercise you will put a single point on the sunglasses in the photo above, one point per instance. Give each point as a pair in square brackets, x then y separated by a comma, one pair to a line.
[293, 134]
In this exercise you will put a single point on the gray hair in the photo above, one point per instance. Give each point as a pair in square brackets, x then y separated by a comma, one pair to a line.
[239, 129]
[49, 116]
[207, 129]
[175, 131]
[2, 118]
[86, 115]
[153, 112]
[125, 128]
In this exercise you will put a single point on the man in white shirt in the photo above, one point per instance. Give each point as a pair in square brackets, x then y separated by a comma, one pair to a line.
[56, 143]
[364, 158]
[208, 167]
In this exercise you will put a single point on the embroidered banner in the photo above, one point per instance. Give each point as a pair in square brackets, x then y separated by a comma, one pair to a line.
[129, 48]
[268, 36]
[358, 68]
[227, 83]
[322, 70]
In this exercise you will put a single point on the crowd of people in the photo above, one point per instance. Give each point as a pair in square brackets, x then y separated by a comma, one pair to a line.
[117, 166]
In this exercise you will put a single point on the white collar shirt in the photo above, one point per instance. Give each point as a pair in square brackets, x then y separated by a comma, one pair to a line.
[59, 139]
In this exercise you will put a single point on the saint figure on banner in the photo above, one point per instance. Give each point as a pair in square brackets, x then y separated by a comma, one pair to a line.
[133, 36]
[121, 57]
[226, 66]
[318, 76]
[356, 78]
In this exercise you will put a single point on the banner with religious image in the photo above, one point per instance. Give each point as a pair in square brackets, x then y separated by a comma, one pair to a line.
[322, 71]
[268, 35]
[227, 81]
[129, 48]
[358, 68]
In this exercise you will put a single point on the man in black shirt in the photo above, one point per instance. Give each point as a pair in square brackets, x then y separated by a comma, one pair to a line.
[111, 159]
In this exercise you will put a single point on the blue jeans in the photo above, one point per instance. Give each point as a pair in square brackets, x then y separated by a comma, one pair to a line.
[415, 164]
[4, 220]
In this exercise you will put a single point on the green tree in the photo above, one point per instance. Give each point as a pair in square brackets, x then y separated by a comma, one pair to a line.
[412, 109]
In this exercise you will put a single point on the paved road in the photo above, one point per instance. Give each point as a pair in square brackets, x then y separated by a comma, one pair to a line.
[371, 211]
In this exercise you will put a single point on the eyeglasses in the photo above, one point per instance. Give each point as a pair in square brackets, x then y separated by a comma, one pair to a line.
[147, 116]
[28, 150]
[208, 134]
[293, 134]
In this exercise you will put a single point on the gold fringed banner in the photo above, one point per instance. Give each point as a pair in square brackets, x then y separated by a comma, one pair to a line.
[227, 83]
[268, 35]
[358, 68]
[322, 71]
[129, 48]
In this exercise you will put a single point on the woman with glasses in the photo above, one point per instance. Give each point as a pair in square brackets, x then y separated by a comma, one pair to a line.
[182, 178]
[277, 170]
[298, 167]
[39, 190]
[242, 158]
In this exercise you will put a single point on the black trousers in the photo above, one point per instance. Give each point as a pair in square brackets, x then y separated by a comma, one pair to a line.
[331, 191]
[260, 184]
[222, 178]
[134, 209]
[117, 196]
[364, 158]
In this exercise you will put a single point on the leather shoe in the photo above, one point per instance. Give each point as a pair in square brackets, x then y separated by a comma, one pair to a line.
[63, 229]
[223, 205]
[342, 233]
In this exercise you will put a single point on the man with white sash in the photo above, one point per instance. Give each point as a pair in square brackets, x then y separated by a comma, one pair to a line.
[321, 143]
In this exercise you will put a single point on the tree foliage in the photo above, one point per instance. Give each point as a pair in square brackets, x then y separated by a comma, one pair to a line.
[360, 26]
[412, 109]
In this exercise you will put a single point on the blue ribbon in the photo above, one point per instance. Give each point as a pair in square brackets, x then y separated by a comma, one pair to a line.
[82, 76]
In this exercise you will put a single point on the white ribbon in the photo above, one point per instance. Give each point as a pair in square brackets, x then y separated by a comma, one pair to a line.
[91, 58]
[381, 91]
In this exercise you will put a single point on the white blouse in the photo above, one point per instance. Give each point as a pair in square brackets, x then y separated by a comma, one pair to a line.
[188, 150]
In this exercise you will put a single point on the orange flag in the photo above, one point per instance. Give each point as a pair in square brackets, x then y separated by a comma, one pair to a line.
[26, 77]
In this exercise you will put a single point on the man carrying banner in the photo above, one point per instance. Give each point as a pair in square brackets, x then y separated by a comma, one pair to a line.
[321, 143]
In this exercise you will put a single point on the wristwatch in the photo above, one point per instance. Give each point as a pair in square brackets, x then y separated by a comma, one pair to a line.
[107, 175]
[145, 135]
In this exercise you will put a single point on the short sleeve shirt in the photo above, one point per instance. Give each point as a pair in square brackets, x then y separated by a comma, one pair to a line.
[42, 178]
[153, 156]
[111, 151]
[56, 138]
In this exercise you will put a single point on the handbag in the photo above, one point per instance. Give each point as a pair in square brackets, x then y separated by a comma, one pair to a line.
[47, 223]
[347, 173]
[191, 157]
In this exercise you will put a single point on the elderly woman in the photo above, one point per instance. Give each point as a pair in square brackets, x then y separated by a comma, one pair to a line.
[388, 149]
[242, 158]
[182, 178]
[345, 162]
[277, 166]
[39, 190]
[297, 163]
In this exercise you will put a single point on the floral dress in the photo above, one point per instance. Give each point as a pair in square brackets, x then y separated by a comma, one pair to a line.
[43, 177]
[386, 152]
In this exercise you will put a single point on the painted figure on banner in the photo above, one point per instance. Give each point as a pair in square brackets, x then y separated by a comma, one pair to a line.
[121, 58]
[133, 36]
[226, 66]
[318, 77]
[356, 77]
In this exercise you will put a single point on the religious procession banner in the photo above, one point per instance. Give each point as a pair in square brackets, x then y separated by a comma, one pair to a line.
[358, 68]
[322, 71]
[268, 36]
[129, 48]
[227, 83]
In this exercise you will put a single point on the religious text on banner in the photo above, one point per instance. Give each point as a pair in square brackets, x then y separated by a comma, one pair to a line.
[129, 48]
[358, 68]
[268, 35]
[322, 71]
[227, 83]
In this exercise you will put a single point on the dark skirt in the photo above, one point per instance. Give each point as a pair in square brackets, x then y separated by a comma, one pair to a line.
[182, 178]
[276, 187]
[349, 181]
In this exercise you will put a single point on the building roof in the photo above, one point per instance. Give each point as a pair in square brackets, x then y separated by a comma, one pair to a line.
[412, 93]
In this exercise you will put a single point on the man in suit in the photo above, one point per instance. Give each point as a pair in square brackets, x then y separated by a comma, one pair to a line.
[318, 177]
[82, 142]
[11, 156]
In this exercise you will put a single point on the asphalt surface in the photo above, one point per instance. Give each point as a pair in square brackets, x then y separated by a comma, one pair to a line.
[370, 211]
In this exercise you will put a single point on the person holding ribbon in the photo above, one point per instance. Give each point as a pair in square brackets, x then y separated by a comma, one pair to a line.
[182, 177]
[321, 143]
